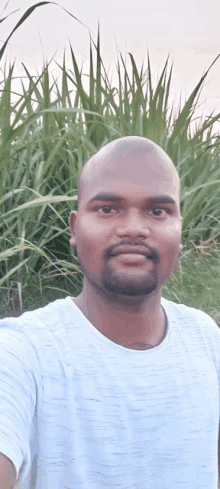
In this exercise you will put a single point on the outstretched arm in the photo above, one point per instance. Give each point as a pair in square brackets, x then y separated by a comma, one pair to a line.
[219, 458]
[7, 473]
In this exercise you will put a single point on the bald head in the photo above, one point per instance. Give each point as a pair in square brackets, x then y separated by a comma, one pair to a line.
[131, 150]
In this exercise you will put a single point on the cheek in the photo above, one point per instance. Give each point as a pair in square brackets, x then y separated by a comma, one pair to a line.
[170, 234]
[97, 230]
[169, 249]
[91, 229]
[91, 239]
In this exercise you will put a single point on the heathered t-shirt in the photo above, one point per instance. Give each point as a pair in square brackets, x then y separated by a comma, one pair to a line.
[78, 411]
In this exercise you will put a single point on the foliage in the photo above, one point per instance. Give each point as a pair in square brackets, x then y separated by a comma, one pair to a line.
[50, 129]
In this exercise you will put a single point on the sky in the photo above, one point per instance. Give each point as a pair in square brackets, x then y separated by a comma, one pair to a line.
[186, 30]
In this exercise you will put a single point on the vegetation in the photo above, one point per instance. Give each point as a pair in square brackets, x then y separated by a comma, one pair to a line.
[47, 132]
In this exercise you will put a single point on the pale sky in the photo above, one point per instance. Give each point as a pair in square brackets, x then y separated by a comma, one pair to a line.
[187, 29]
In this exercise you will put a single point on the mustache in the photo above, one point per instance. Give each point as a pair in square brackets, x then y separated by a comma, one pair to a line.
[150, 250]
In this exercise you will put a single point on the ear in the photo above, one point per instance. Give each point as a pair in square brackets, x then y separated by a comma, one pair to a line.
[72, 224]
[181, 246]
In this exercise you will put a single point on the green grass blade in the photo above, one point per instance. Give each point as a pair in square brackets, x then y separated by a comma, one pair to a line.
[26, 15]
[184, 116]
[4, 18]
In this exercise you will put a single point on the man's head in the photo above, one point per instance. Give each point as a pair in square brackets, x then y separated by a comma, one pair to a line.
[136, 170]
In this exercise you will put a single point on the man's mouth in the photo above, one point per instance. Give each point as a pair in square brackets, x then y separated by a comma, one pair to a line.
[132, 250]
[132, 258]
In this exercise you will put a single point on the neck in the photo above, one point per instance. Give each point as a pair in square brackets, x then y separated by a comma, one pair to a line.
[137, 324]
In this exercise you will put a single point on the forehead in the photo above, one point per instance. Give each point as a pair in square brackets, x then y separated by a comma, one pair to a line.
[134, 177]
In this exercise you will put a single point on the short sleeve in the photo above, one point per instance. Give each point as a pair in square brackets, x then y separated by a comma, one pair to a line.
[211, 335]
[19, 383]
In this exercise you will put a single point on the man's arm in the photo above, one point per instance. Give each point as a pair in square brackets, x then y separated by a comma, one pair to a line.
[219, 457]
[7, 473]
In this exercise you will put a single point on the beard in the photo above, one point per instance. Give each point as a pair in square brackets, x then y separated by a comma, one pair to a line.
[124, 284]
[129, 284]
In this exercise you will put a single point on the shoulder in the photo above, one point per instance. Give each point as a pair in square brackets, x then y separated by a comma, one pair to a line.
[184, 312]
[46, 315]
[197, 324]
[32, 331]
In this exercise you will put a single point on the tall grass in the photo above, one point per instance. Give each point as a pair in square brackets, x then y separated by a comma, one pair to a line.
[50, 129]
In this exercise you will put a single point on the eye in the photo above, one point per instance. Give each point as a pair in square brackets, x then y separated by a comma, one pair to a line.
[160, 209]
[108, 208]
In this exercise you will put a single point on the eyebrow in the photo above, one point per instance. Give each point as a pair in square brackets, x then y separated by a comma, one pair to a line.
[162, 199]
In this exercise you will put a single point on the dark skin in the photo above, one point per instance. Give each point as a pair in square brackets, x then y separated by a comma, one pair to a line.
[120, 298]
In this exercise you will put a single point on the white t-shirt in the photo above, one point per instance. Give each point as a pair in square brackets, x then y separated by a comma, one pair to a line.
[78, 411]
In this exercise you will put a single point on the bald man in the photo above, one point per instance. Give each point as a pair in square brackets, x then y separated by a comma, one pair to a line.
[117, 387]
[127, 234]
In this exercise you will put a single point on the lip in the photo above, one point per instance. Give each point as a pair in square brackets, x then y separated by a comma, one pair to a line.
[132, 258]
[140, 250]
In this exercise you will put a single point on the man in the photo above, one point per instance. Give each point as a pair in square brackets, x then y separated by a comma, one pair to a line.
[117, 387]
[128, 252]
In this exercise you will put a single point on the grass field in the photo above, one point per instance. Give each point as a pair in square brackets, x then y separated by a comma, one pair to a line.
[51, 126]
